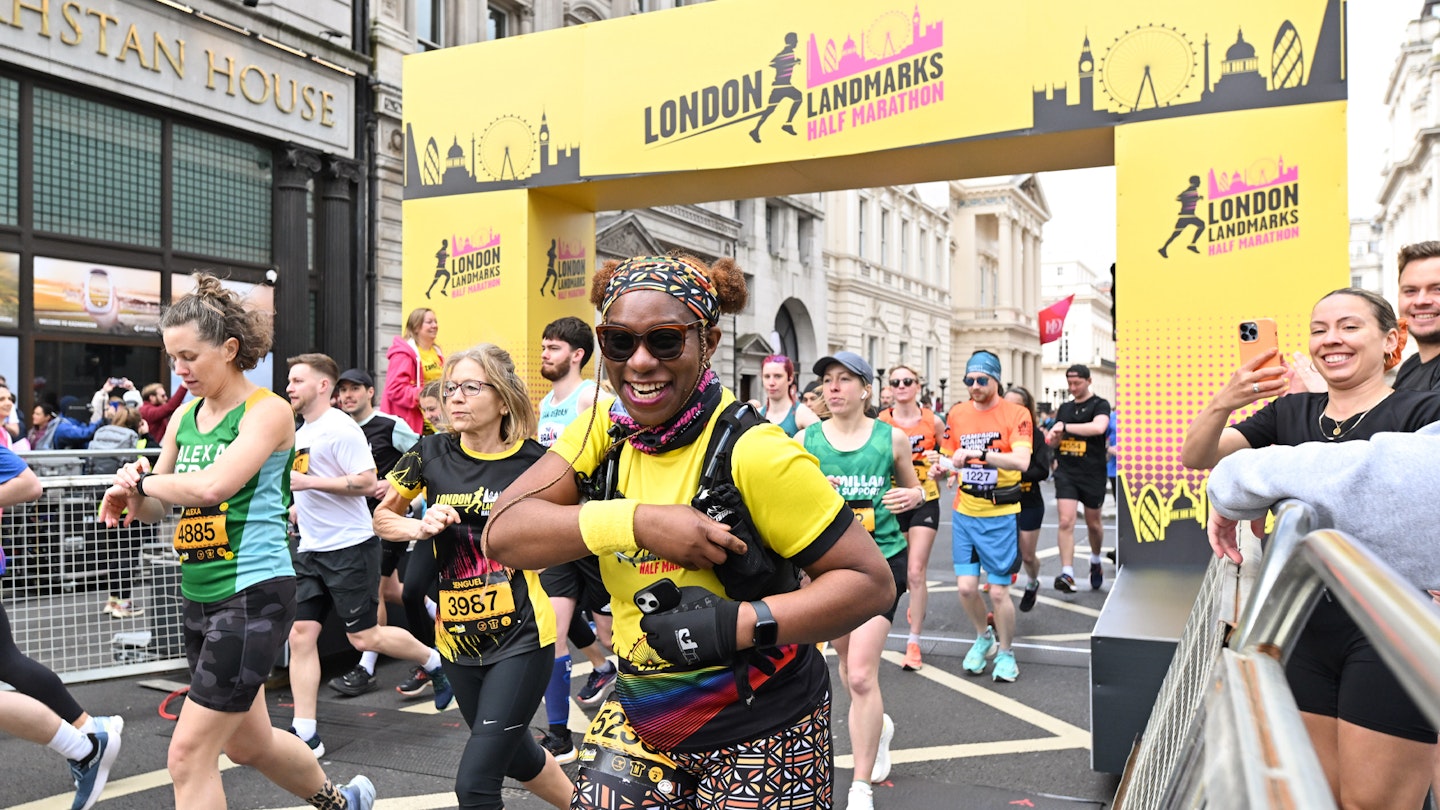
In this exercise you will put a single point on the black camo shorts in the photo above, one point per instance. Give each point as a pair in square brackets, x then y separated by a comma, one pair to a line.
[232, 644]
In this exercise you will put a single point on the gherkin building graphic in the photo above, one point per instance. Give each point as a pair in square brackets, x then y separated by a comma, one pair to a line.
[1287, 58]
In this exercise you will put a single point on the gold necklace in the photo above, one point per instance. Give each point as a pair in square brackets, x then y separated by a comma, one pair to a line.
[1340, 430]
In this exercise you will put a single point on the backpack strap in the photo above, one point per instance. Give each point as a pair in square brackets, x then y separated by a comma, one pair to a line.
[737, 418]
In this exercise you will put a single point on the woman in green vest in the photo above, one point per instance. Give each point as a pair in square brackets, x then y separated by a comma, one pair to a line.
[226, 460]
[862, 456]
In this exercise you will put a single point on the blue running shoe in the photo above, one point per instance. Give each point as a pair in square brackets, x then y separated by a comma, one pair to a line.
[91, 773]
[359, 794]
[1005, 668]
[444, 693]
[975, 660]
[1097, 576]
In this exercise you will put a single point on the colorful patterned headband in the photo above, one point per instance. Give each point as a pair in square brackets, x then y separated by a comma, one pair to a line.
[674, 277]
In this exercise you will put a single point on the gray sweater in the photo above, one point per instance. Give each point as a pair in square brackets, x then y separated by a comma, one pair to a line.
[1382, 492]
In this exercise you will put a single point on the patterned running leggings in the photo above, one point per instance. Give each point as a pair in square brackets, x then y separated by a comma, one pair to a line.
[789, 769]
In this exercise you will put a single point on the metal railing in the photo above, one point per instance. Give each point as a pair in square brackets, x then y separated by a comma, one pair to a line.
[64, 565]
[1225, 731]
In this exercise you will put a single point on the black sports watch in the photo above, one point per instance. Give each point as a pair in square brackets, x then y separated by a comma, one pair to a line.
[766, 629]
[983, 453]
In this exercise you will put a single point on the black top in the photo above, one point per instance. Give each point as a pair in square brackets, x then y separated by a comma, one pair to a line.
[1295, 419]
[1082, 455]
[380, 433]
[471, 632]
[1417, 376]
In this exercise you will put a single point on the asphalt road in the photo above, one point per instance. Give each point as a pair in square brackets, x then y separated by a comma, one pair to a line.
[960, 741]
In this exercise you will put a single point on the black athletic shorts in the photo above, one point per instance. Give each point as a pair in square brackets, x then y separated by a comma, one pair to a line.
[390, 556]
[1336, 672]
[579, 580]
[1088, 490]
[1029, 518]
[231, 645]
[926, 516]
[348, 578]
[900, 570]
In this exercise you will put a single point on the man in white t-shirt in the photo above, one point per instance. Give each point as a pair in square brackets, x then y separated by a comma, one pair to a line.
[337, 563]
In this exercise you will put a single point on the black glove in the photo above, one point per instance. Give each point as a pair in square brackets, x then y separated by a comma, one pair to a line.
[700, 631]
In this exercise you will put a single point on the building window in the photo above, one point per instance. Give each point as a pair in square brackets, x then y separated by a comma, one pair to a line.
[9, 151]
[922, 244]
[872, 351]
[885, 236]
[497, 24]
[97, 170]
[222, 191]
[929, 364]
[775, 228]
[805, 229]
[904, 245]
[430, 24]
[750, 299]
[860, 226]
[904, 356]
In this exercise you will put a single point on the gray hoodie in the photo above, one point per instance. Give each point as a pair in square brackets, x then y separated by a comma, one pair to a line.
[1382, 492]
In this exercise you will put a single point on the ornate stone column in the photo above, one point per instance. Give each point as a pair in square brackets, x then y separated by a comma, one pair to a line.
[295, 169]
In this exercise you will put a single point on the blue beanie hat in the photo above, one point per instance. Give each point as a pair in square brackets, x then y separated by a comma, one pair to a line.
[984, 362]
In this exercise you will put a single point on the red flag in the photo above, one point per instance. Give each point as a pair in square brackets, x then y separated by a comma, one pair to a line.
[1052, 320]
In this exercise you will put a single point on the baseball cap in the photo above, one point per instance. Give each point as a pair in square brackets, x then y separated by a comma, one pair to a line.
[849, 360]
[1078, 370]
[355, 375]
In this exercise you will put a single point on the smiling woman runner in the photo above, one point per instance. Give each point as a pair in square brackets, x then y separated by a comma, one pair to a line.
[720, 703]
[226, 458]
[495, 629]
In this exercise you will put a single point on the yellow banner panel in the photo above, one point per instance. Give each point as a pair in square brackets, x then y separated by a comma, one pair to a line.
[1222, 219]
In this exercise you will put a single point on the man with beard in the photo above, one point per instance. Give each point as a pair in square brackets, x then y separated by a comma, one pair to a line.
[1420, 307]
[989, 442]
[565, 348]
[337, 563]
[389, 437]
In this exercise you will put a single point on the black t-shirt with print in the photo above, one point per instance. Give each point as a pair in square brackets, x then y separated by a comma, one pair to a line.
[1295, 419]
[476, 623]
[1082, 455]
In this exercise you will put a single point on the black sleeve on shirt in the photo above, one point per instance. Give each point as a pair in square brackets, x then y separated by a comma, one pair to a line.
[1261, 429]
[844, 519]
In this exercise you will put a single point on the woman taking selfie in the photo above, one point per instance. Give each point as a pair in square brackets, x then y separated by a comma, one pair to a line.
[1372, 740]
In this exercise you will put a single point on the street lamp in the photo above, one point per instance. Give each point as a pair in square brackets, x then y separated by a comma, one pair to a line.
[943, 381]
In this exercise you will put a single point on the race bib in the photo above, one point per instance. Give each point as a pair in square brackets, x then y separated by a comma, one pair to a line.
[980, 477]
[200, 536]
[483, 604]
[1072, 447]
[922, 471]
[611, 730]
[616, 758]
[864, 513]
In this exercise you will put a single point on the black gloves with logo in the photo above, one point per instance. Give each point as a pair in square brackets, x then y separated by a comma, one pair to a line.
[697, 632]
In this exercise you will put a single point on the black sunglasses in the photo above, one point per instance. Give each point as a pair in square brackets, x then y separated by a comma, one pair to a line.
[904, 383]
[665, 341]
[979, 379]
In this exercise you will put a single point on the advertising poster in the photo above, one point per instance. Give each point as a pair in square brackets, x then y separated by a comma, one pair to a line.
[9, 290]
[96, 298]
[561, 262]
[1228, 218]
[254, 297]
[465, 259]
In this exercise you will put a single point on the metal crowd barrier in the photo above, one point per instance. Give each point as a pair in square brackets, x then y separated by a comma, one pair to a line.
[1242, 742]
[64, 564]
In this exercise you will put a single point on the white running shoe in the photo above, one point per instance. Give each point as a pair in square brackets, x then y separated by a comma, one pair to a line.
[881, 771]
[861, 797]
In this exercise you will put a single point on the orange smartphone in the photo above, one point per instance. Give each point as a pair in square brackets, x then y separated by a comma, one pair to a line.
[1258, 336]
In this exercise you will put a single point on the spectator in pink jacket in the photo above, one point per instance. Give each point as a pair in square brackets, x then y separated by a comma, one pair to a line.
[414, 360]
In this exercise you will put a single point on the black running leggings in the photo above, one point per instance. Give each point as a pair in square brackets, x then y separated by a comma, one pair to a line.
[420, 573]
[498, 701]
[32, 678]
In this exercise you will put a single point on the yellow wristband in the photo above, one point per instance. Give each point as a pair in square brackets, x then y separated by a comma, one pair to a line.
[608, 526]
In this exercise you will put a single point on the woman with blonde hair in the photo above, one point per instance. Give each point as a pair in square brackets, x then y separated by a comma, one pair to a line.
[413, 361]
[495, 629]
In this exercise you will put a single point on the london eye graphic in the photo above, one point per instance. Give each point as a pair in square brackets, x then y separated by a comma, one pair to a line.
[1147, 67]
[507, 149]
[888, 35]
